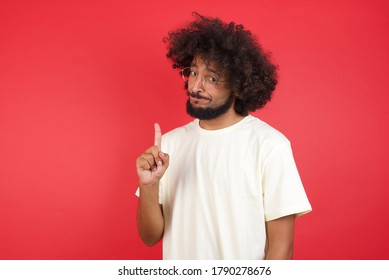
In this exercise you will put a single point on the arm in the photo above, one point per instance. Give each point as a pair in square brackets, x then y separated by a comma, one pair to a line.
[280, 233]
[151, 166]
[150, 217]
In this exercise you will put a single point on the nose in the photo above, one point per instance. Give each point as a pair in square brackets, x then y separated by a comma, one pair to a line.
[197, 85]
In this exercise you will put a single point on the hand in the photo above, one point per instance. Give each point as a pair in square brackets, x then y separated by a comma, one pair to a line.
[152, 164]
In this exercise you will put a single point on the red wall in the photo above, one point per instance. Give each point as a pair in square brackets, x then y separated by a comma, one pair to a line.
[82, 82]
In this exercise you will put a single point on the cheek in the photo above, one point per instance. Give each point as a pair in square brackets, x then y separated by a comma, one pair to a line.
[221, 96]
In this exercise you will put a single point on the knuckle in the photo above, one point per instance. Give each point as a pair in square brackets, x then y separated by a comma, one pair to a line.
[152, 149]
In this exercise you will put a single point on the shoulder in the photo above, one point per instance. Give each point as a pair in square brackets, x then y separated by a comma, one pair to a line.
[179, 132]
[263, 132]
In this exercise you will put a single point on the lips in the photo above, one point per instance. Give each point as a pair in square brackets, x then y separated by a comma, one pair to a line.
[198, 96]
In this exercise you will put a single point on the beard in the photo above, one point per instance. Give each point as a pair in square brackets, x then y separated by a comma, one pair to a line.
[209, 113]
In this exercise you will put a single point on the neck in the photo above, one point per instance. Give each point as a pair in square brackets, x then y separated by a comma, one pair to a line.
[223, 121]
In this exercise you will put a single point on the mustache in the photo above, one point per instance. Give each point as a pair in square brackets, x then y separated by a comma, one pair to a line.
[198, 95]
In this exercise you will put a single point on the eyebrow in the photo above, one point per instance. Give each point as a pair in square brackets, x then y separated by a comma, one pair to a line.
[208, 69]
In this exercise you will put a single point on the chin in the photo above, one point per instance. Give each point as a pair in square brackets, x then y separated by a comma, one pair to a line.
[208, 113]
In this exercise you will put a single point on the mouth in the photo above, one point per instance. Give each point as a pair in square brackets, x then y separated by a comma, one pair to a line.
[196, 96]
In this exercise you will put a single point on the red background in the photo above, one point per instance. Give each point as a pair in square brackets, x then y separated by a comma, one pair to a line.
[82, 82]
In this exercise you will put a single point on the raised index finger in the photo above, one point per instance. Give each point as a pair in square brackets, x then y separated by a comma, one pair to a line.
[157, 136]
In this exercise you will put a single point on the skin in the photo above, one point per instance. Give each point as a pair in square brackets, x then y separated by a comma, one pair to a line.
[280, 234]
[152, 164]
[217, 95]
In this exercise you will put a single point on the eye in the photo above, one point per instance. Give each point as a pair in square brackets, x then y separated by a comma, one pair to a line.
[212, 80]
[193, 73]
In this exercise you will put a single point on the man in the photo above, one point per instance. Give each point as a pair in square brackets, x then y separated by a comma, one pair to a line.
[224, 186]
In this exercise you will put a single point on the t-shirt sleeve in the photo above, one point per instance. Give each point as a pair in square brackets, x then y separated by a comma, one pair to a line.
[283, 191]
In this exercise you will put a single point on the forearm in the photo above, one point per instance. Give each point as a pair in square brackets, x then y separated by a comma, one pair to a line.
[279, 252]
[150, 217]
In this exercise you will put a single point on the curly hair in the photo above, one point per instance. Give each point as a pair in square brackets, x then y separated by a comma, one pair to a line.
[250, 74]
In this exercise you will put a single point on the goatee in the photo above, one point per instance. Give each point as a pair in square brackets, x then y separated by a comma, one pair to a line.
[209, 113]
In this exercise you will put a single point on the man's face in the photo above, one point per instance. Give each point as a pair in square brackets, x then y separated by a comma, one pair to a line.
[208, 95]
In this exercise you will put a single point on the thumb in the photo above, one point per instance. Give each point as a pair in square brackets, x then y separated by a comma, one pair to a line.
[164, 157]
[162, 165]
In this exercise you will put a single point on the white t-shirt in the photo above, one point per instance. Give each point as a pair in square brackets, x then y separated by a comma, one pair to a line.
[222, 186]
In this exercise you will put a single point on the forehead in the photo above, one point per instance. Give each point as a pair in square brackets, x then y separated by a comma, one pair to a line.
[208, 66]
